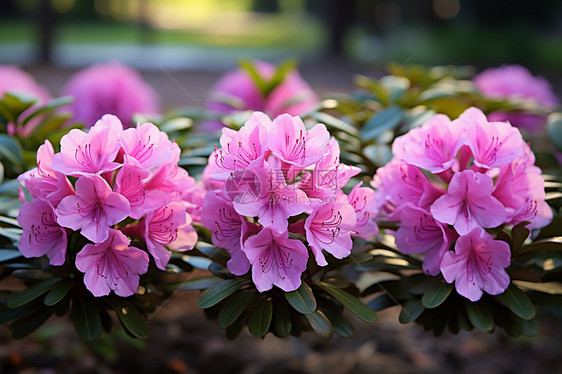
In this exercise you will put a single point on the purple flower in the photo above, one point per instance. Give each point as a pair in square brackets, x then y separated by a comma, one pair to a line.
[469, 203]
[87, 154]
[93, 209]
[42, 235]
[161, 228]
[420, 233]
[276, 260]
[227, 228]
[149, 146]
[478, 264]
[362, 199]
[236, 91]
[112, 265]
[329, 228]
[109, 88]
[514, 81]
[43, 181]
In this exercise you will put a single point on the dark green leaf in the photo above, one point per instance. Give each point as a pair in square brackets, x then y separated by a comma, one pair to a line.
[57, 293]
[260, 317]
[250, 68]
[10, 150]
[32, 292]
[9, 254]
[554, 228]
[86, 319]
[302, 299]
[51, 105]
[530, 327]
[233, 308]
[353, 304]
[17, 103]
[26, 325]
[518, 236]
[320, 323]
[480, 315]
[197, 262]
[380, 122]
[411, 310]
[130, 317]
[194, 284]
[555, 129]
[280, 74]
[381, 302]
[8, 314]
[282, 322]
[341, 326]
[217, 254]
[235, 329]
[436, 296]
[517, 301]
[462, 318]
[215, 294]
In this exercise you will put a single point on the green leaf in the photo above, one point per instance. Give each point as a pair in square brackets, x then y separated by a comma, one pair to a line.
[9, 254]
[235, 329]
[8, 314]
[260, 317]
[217, 293]
[197, 262]
[250, 68]
[32, 292]
[480, 315]
[214, 253]
[462, 319]
[282, 322]
[518, 236]
[51, 105]
[233, 308]
[86, 319]
[411, 310]
[436, 296]
[396, 86]
[341, 326]
[517, 301]
[201, 283]
[555, 129]
[57, 293]
[302, 299]
[320, 323]
[530, 327]
[335, 123]
[380, 122]
[554, 228]
[11, 151]
[130, 317]
[381, 302]
[26, 325]
[281, 73]
[353, 304]
[17, 103]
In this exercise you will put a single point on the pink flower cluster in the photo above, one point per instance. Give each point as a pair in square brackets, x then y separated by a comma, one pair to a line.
[448, 182]
[127, 185]
[515, 81]
[236, 91]
[274, 183]
[109, 88]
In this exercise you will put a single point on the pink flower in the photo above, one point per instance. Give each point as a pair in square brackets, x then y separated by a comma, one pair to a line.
[227, 228]
[293, 144]
[131, 182]
[161, 228]
[237, 91]
[399, 183]
[193, 194]
[362, 199]
[478, 264]
[43, 181]
[109, 88]
[41, 235]
[13, 79]
[492, 144]
[241, 148]
[112, 265]
[420, 233]
[276, 260]
[149, 146]
[469, 203]
[87, 154]
[275, 201]
[329, 228]
[514, 81]
[432, 147]
[94, 208]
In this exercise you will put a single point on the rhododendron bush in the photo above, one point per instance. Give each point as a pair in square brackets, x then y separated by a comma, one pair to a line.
[423, 190]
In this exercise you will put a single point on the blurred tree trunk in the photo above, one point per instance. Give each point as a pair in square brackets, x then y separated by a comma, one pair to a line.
[46, 25]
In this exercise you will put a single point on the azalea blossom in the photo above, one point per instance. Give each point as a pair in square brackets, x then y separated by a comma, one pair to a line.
[362, 199]
[109, 88]
[41, 235]
[477, 265]
[149, 146]
[112, 265]
[329, 228]
[93, 209]
[276, 260]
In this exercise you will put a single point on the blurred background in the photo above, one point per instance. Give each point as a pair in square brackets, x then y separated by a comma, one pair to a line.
[181, 48]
